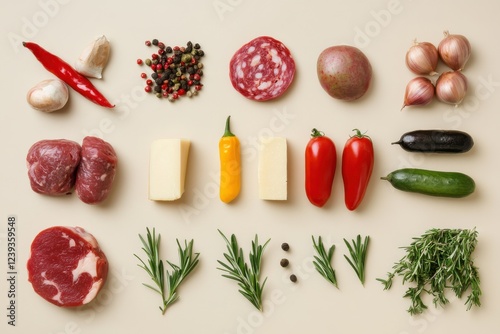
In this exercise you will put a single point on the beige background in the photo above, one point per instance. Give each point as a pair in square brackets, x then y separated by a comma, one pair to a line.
[383, 29]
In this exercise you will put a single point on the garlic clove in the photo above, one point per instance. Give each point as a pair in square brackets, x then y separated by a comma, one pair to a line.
[48, 95]
[94, 58]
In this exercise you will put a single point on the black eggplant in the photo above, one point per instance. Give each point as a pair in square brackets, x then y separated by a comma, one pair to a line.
[436, 141]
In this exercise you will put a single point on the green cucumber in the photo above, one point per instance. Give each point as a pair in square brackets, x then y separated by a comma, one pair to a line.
[431, 182]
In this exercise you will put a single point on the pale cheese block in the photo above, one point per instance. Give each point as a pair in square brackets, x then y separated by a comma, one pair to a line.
[272, 169]
[167, 169]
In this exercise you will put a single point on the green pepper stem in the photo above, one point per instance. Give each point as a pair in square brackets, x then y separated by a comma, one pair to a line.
[227, 131]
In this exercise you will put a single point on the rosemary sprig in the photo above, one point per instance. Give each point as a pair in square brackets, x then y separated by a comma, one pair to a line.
[162, 279]
[358, 251]
[323, 262]
[248, 277]
[438, 260]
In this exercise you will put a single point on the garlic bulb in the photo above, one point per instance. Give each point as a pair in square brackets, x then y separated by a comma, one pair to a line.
[49, 95]
[422, 58]
[94, 58]
[451, 87]
[419, 92]
[454, 50]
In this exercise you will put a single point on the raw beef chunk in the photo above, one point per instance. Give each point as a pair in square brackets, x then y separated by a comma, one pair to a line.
[52, 166]
[97, 170]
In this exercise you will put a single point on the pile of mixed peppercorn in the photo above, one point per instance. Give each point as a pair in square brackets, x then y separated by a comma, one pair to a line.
[177, 71]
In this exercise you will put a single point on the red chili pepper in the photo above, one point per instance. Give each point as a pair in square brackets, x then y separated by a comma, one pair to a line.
[321, 160]
[357, 166]
[68, 74]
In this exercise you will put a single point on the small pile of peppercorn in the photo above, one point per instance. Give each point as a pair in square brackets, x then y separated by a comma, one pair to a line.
[284, 262]
[177, 71]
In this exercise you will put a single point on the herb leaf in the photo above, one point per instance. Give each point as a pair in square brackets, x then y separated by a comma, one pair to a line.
[323, 262]
[164, 278]
[439, 260]
[358, 251]
[248, 277]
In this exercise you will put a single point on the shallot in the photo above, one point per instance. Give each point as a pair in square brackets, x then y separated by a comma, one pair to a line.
[422, 58]
[419, 92]
[451, 87]
[49, 95]
[454, 51]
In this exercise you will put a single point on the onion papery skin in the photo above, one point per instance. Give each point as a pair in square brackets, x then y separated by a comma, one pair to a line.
[419, 92]
[451, 87]
[422, 58]
[454, 51]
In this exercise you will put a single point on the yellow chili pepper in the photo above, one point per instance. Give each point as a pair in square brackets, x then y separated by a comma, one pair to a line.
[230, 165]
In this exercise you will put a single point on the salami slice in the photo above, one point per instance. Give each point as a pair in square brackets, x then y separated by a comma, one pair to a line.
[262, 69]
[66, 266]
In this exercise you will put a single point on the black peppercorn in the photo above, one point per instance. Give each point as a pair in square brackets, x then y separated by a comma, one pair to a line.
[284, 263]
[293, 278]
[285, 246]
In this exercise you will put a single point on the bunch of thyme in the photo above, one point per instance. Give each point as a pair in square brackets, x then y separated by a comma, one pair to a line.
[439, 260]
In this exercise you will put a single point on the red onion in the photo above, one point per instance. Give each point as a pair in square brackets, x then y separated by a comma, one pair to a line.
[451, 87]
[422, 58]
[454, 50]
[419, 92]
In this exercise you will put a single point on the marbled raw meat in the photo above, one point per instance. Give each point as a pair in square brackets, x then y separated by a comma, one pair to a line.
[66, 266]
